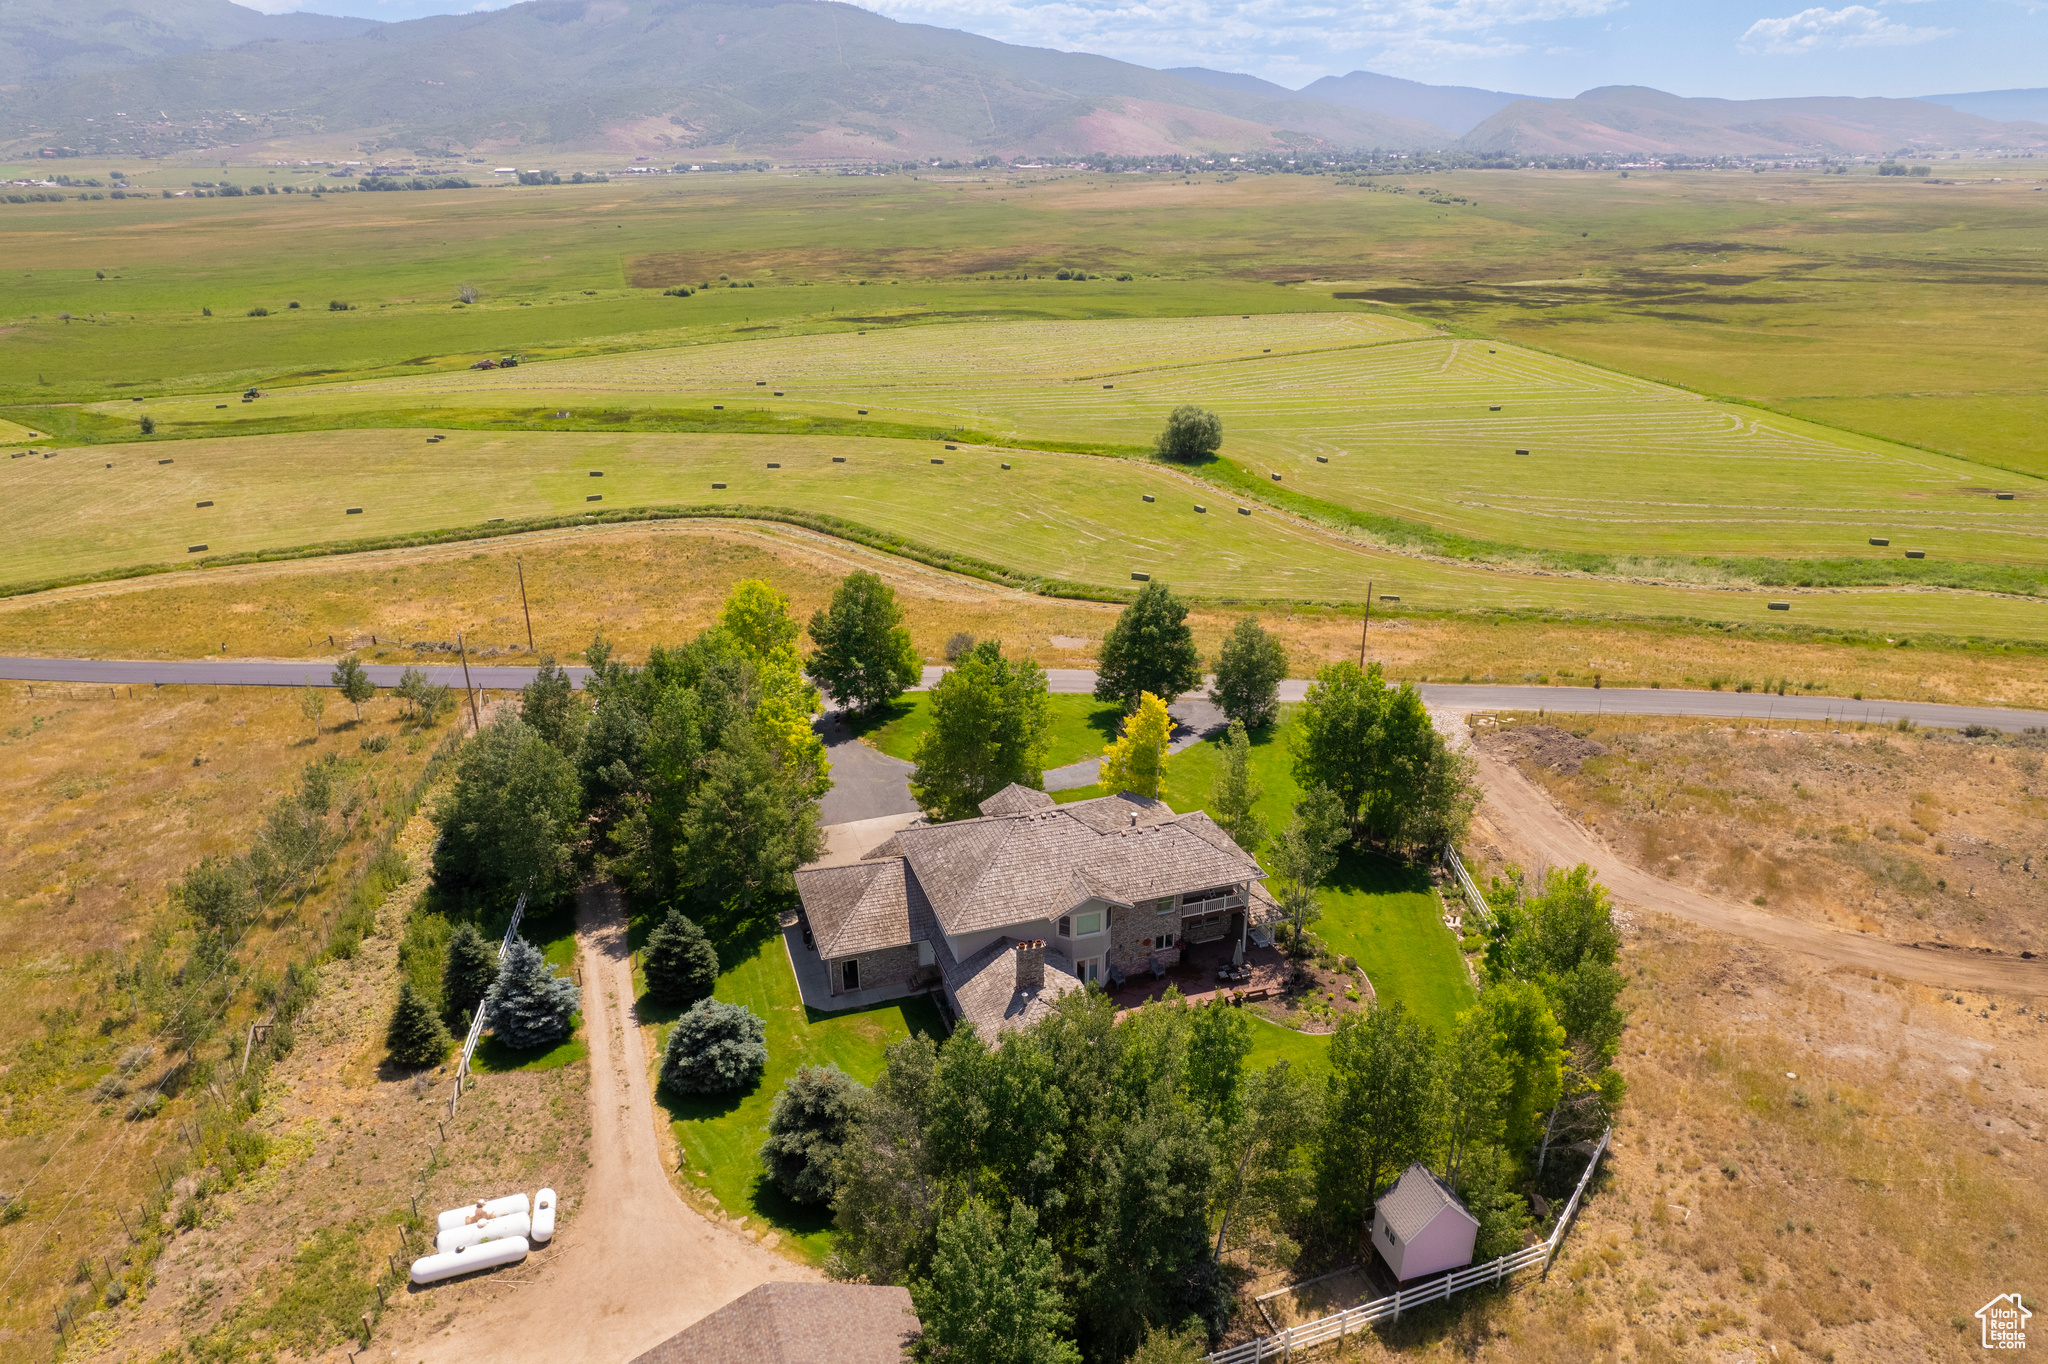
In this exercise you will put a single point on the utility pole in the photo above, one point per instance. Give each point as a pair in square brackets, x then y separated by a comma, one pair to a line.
[1366, 626]
[476, 720]
[522, 604]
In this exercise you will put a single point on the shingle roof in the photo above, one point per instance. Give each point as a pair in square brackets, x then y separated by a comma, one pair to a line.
[1016, 800]
[799, 1323]
[985, 986]
[1415, 1200]
[995, 872]
[864, 907]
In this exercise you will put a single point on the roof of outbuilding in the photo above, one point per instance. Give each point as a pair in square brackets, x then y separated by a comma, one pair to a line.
[1415, 1200]
[799, 1323]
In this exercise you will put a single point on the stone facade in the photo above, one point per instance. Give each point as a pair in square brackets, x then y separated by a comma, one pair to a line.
[1136, 933]
[888, 968]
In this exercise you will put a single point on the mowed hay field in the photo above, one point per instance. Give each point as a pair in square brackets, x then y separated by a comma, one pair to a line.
[1475, 439]
[1077, 518]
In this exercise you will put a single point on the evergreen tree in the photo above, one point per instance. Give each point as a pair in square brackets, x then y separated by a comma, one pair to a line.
[467, 975]
[815, 1112]
[1249, 668]
[680, 962]
[749, 824]
[1136, 762]
[865, 657]
[1233, 794]
[548, 706]
[993, 1296]
[715, 1048]
[530, 1006]
[509, 821]
[416, 1037]
[1150, 648]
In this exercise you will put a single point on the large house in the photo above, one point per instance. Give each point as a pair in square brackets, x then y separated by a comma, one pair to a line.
[1014, 909]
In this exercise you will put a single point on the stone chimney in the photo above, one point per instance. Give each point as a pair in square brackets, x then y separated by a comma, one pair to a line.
[1031, 965]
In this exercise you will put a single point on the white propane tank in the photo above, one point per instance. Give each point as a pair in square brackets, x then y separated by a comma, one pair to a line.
[434, 1268]
[482, 1211]
[497, 1229]
[543, 1216]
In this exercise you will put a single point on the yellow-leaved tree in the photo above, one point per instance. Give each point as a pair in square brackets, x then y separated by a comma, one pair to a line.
[1136, 762]
[758, 617]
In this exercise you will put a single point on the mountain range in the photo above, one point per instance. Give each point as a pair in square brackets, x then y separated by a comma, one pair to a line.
[811, 80]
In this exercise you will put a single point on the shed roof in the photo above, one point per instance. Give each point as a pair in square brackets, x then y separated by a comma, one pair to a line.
[1416, 1200]
[799, 1323]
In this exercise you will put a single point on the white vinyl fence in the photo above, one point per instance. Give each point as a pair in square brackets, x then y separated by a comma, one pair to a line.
[1326, 1329]
[476, 1025]
[1465, 882]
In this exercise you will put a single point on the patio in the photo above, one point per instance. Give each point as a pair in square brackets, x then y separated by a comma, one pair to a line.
[1195, 975]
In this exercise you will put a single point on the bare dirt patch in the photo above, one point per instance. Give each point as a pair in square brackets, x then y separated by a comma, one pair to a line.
[1920, 836]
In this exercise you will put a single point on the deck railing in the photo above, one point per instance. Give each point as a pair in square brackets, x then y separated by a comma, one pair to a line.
[1340, 1324]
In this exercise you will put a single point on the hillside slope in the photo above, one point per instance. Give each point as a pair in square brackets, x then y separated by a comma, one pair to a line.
[796, 78]
[44, 40]
[1459, 108]
[1637, 120]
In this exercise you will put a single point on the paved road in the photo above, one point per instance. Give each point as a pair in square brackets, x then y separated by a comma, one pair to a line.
[229, 672]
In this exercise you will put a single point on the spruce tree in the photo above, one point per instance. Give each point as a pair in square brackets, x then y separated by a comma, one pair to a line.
[530, 1006]
[816, 1112]
[416, 1037]
[680, 962]
[467, 977]
[715, 1048]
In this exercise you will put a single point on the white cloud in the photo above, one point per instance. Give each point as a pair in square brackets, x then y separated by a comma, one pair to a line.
[1813, 29]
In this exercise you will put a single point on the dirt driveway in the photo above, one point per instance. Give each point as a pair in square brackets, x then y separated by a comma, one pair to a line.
[1527, 817]
[633, 1264]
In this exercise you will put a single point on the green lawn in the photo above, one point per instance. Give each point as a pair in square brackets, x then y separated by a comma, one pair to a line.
[1081, 727]
[721, 1137]
[1385, 914]
[1380, 911]
[1273, 1042]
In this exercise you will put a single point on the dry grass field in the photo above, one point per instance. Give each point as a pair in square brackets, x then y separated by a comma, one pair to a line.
[653, 584]
[1811, 1165]
[108, 799]
[1916, 835]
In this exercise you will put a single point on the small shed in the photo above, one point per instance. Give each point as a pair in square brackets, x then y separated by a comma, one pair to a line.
[1421, 1228]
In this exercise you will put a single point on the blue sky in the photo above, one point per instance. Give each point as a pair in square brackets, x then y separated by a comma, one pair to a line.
[1742, 49]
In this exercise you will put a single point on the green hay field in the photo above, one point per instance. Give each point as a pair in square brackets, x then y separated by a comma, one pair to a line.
[1360, 412]
[1074, 518]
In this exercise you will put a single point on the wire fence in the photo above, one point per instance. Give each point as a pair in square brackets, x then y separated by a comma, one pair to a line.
[1283, 1344]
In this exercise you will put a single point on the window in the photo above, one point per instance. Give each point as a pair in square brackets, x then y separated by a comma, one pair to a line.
[1066, 927]
[1086, 924]
[849, 974]
[1165, 940]
[1088, 970]
[1165, 905]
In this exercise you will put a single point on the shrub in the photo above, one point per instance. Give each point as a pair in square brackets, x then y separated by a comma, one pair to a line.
[680, 962]
[259, 312]
[147, 1105]
[416, 1037]
[715, 1048]
[817, 1109]
[335, 305]
[530, 1005]
[149, 426]
[959, 644]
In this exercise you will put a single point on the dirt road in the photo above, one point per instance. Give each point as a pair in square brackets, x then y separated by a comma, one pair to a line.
[633, 1264]
[1525, 815]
